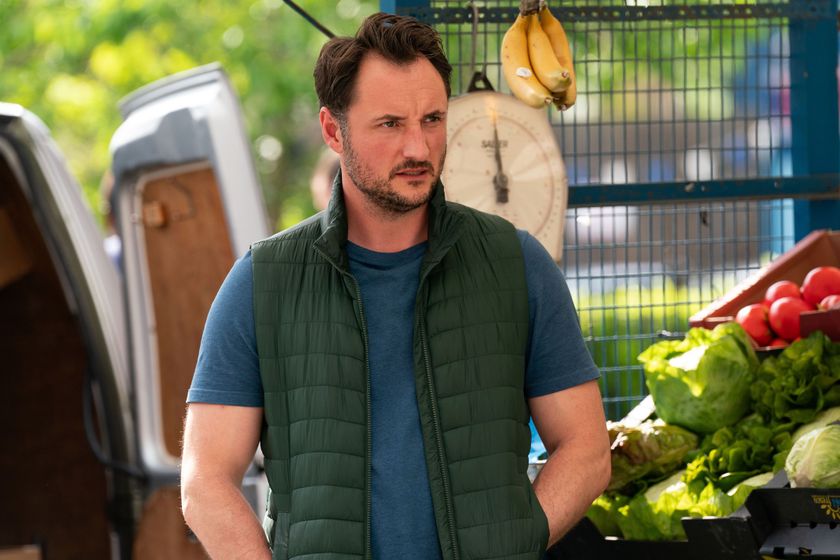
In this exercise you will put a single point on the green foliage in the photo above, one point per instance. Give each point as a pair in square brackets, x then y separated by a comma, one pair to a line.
[70, 62]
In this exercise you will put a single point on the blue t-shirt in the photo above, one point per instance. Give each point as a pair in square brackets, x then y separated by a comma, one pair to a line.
[403, 524]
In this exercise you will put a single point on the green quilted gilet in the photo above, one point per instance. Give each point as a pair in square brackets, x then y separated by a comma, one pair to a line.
[471, 331]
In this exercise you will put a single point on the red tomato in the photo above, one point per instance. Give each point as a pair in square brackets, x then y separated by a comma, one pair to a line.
[784, 316]
[820, 282]
[782, 288]
[830, 302]
[753, 319]
[778, 343]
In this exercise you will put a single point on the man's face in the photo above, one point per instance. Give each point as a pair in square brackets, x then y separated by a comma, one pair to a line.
[394, 135]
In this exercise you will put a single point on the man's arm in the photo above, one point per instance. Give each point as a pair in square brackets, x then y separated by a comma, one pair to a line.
[572, 426]
[219, 444]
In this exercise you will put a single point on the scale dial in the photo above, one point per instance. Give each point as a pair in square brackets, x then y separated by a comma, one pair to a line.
[497, 143]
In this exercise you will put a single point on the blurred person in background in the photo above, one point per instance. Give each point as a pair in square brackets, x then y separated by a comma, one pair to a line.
[320, 185]
[112, 242]
[387, 352]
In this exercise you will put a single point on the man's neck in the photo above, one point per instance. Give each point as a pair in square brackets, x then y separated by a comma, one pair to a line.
[378, 230]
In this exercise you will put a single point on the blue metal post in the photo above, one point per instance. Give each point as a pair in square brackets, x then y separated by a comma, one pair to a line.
[391, 6]
[814, 115]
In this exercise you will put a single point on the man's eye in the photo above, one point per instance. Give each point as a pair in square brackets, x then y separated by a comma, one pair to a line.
[389, 124]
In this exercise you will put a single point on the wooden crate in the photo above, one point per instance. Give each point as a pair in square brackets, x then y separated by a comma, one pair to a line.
[819, 248]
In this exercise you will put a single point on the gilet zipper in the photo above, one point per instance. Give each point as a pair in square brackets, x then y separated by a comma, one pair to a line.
[444, 471]
[368, 428]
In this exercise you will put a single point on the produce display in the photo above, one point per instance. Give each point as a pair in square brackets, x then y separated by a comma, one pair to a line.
[752, 419]
[775, 322]
[537, 59]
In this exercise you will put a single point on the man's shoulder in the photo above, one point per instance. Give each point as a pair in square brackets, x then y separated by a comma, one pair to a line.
[307, 230]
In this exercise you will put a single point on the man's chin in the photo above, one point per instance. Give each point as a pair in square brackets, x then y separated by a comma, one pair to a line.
[416, 198]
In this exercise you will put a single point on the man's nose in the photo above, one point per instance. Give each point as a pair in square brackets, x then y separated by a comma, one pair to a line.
[415, 144]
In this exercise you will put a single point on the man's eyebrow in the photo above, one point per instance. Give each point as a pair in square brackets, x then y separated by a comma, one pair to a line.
[389, 118]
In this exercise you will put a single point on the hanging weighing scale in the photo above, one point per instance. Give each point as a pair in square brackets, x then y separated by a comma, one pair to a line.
[502, 157]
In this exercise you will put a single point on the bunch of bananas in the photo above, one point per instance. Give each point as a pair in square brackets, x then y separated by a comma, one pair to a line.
[537, 59]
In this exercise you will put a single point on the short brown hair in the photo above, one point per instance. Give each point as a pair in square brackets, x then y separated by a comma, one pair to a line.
[398, 39]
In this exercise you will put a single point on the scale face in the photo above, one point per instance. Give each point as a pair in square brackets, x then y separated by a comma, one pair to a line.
[502, 158]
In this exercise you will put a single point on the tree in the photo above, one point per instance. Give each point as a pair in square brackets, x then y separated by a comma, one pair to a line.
[70, 62]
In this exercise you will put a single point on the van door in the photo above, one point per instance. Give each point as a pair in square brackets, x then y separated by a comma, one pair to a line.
[187, 204]
[64, 382]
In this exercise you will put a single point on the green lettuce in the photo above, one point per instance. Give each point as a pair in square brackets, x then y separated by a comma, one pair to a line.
[735, 453]
[604, 511]
[795, 385]
[740, 492]
[702, 382]
[814, 461]
[824, 418]
[657, 514]
[648, 451]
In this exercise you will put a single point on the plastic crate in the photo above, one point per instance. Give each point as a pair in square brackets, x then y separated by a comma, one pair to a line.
[796, 522]
[776, 522]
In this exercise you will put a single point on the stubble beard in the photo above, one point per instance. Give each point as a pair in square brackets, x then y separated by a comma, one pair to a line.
[379, 191]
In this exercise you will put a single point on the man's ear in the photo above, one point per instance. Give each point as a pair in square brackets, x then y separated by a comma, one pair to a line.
[331, 131]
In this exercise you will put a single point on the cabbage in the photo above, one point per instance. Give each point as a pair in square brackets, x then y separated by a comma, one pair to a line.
[702, 382]
[824, 418]
[651, 450]
[814, 460]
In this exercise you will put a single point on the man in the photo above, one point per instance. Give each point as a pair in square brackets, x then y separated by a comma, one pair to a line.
[386, 353]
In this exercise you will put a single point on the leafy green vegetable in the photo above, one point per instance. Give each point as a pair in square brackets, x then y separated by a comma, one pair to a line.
[789, 390]
[801, 381]
[703, 381]
[651, 450]
[814, 461]
[740, 492]
[657, 513]
[824, 418]
[604, 511]
[733, 454]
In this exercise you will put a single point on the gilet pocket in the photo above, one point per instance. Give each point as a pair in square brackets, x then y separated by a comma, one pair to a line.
[541, 531]
[277, 533]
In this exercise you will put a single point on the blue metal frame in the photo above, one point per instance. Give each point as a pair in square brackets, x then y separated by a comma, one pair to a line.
[391, 6]
[698, 191]
[814, 109]
[814, 115]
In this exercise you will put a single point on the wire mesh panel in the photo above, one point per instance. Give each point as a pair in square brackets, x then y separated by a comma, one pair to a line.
[638, 273]
[666, 94]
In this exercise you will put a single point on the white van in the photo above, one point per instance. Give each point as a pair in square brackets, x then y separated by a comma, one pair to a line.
[96, 361]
